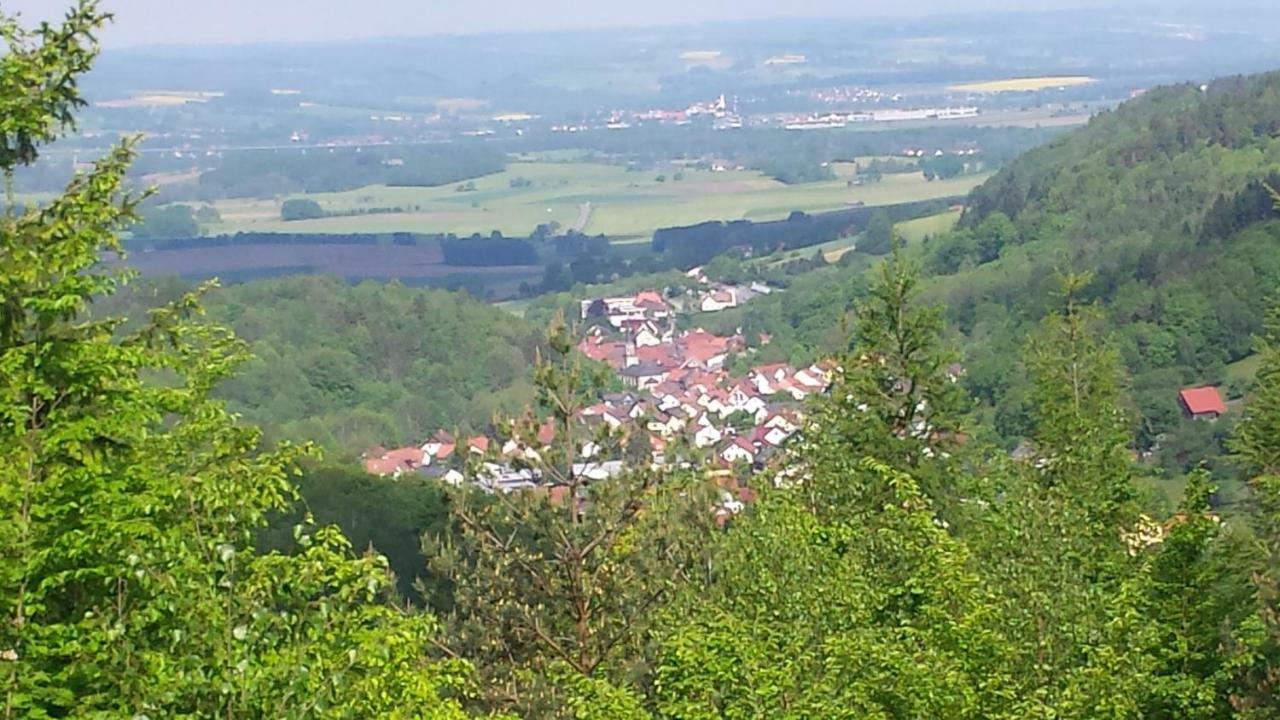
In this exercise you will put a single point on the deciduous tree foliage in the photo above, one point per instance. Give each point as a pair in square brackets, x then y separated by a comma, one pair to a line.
[1042, 592]
[130, 498]
[556, 590]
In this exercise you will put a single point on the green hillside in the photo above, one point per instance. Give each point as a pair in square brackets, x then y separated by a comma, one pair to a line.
[353, 366]
[1162, 201]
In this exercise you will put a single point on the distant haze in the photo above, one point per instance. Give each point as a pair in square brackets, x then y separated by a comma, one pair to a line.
[145, 22]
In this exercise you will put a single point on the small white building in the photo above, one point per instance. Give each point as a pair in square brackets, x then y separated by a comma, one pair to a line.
[707, 436]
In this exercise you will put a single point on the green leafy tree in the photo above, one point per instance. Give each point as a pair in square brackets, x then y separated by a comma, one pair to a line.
[1257, 447]
[877, 239]
[167, 223]
[130, 499]
[572, 574]
[870, 609]
[301, 209]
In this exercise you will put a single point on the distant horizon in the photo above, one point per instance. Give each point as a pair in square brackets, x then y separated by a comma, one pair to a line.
[288, 22]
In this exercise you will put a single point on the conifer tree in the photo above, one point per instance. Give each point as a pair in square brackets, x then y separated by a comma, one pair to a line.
[556, 588]
[895, 395]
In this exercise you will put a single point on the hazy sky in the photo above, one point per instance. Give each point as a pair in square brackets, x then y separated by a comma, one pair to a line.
[235, 21]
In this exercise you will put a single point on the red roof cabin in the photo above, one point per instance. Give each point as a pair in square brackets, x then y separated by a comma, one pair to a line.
[1202, 403]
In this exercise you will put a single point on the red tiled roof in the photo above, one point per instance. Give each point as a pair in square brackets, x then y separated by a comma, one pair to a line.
[613, 353]
[400, 459]
[479, 443]
[660, 354]
[770, 369]
[1203, 400]
[649, 297]
[559, 495]
[702, 346]
[546, 432]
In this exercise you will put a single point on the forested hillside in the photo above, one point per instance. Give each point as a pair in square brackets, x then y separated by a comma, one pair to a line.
[354, 366]
[1165, 202]
[1162, 200]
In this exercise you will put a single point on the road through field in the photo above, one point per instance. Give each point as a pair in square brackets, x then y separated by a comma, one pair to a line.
[584, 216]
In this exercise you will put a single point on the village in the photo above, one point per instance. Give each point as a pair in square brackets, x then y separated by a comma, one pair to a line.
[677, 395]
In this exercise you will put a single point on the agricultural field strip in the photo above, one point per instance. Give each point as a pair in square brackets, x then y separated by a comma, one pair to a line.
[626, 205]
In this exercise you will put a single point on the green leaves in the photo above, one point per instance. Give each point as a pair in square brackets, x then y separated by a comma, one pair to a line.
[130, 498]
[38, 79]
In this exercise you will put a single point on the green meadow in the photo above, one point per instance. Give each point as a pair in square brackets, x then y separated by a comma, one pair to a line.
[623, 204]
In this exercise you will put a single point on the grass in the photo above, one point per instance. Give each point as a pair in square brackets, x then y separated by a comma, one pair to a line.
[1024, 84]
[626, 206]
[914, 231]
[515, 307]
[1246, 369]
[160, 98]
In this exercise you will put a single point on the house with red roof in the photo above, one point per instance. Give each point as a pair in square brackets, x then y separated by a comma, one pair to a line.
[738, 450]
[652, 300]
[612, 353]
[702, 349]
[1202, 403]
[743, 398]
[396, 462]
[766, 378]
[719, 299]
[706, 435]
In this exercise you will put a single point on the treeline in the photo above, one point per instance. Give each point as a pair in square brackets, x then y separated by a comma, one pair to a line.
[289, 171]
[759, 148]
[491, 250]
[686, 247]
[275, 238]
[796, 169]
[475, 251]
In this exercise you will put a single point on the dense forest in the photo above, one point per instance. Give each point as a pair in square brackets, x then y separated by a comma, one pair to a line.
[355, 366]
[159, 559]
[1164, 200]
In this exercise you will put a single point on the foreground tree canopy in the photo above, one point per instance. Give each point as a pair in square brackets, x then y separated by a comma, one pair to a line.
[893, 566]
[130, 499]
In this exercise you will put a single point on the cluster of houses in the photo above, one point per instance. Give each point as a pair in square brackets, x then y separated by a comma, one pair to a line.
[678, 386]
[678, 393]
[717, 296]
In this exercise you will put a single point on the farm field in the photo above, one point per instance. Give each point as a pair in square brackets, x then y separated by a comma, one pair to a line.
[626, 206]
[914, 231]
[1024, 84]
[160, 98]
